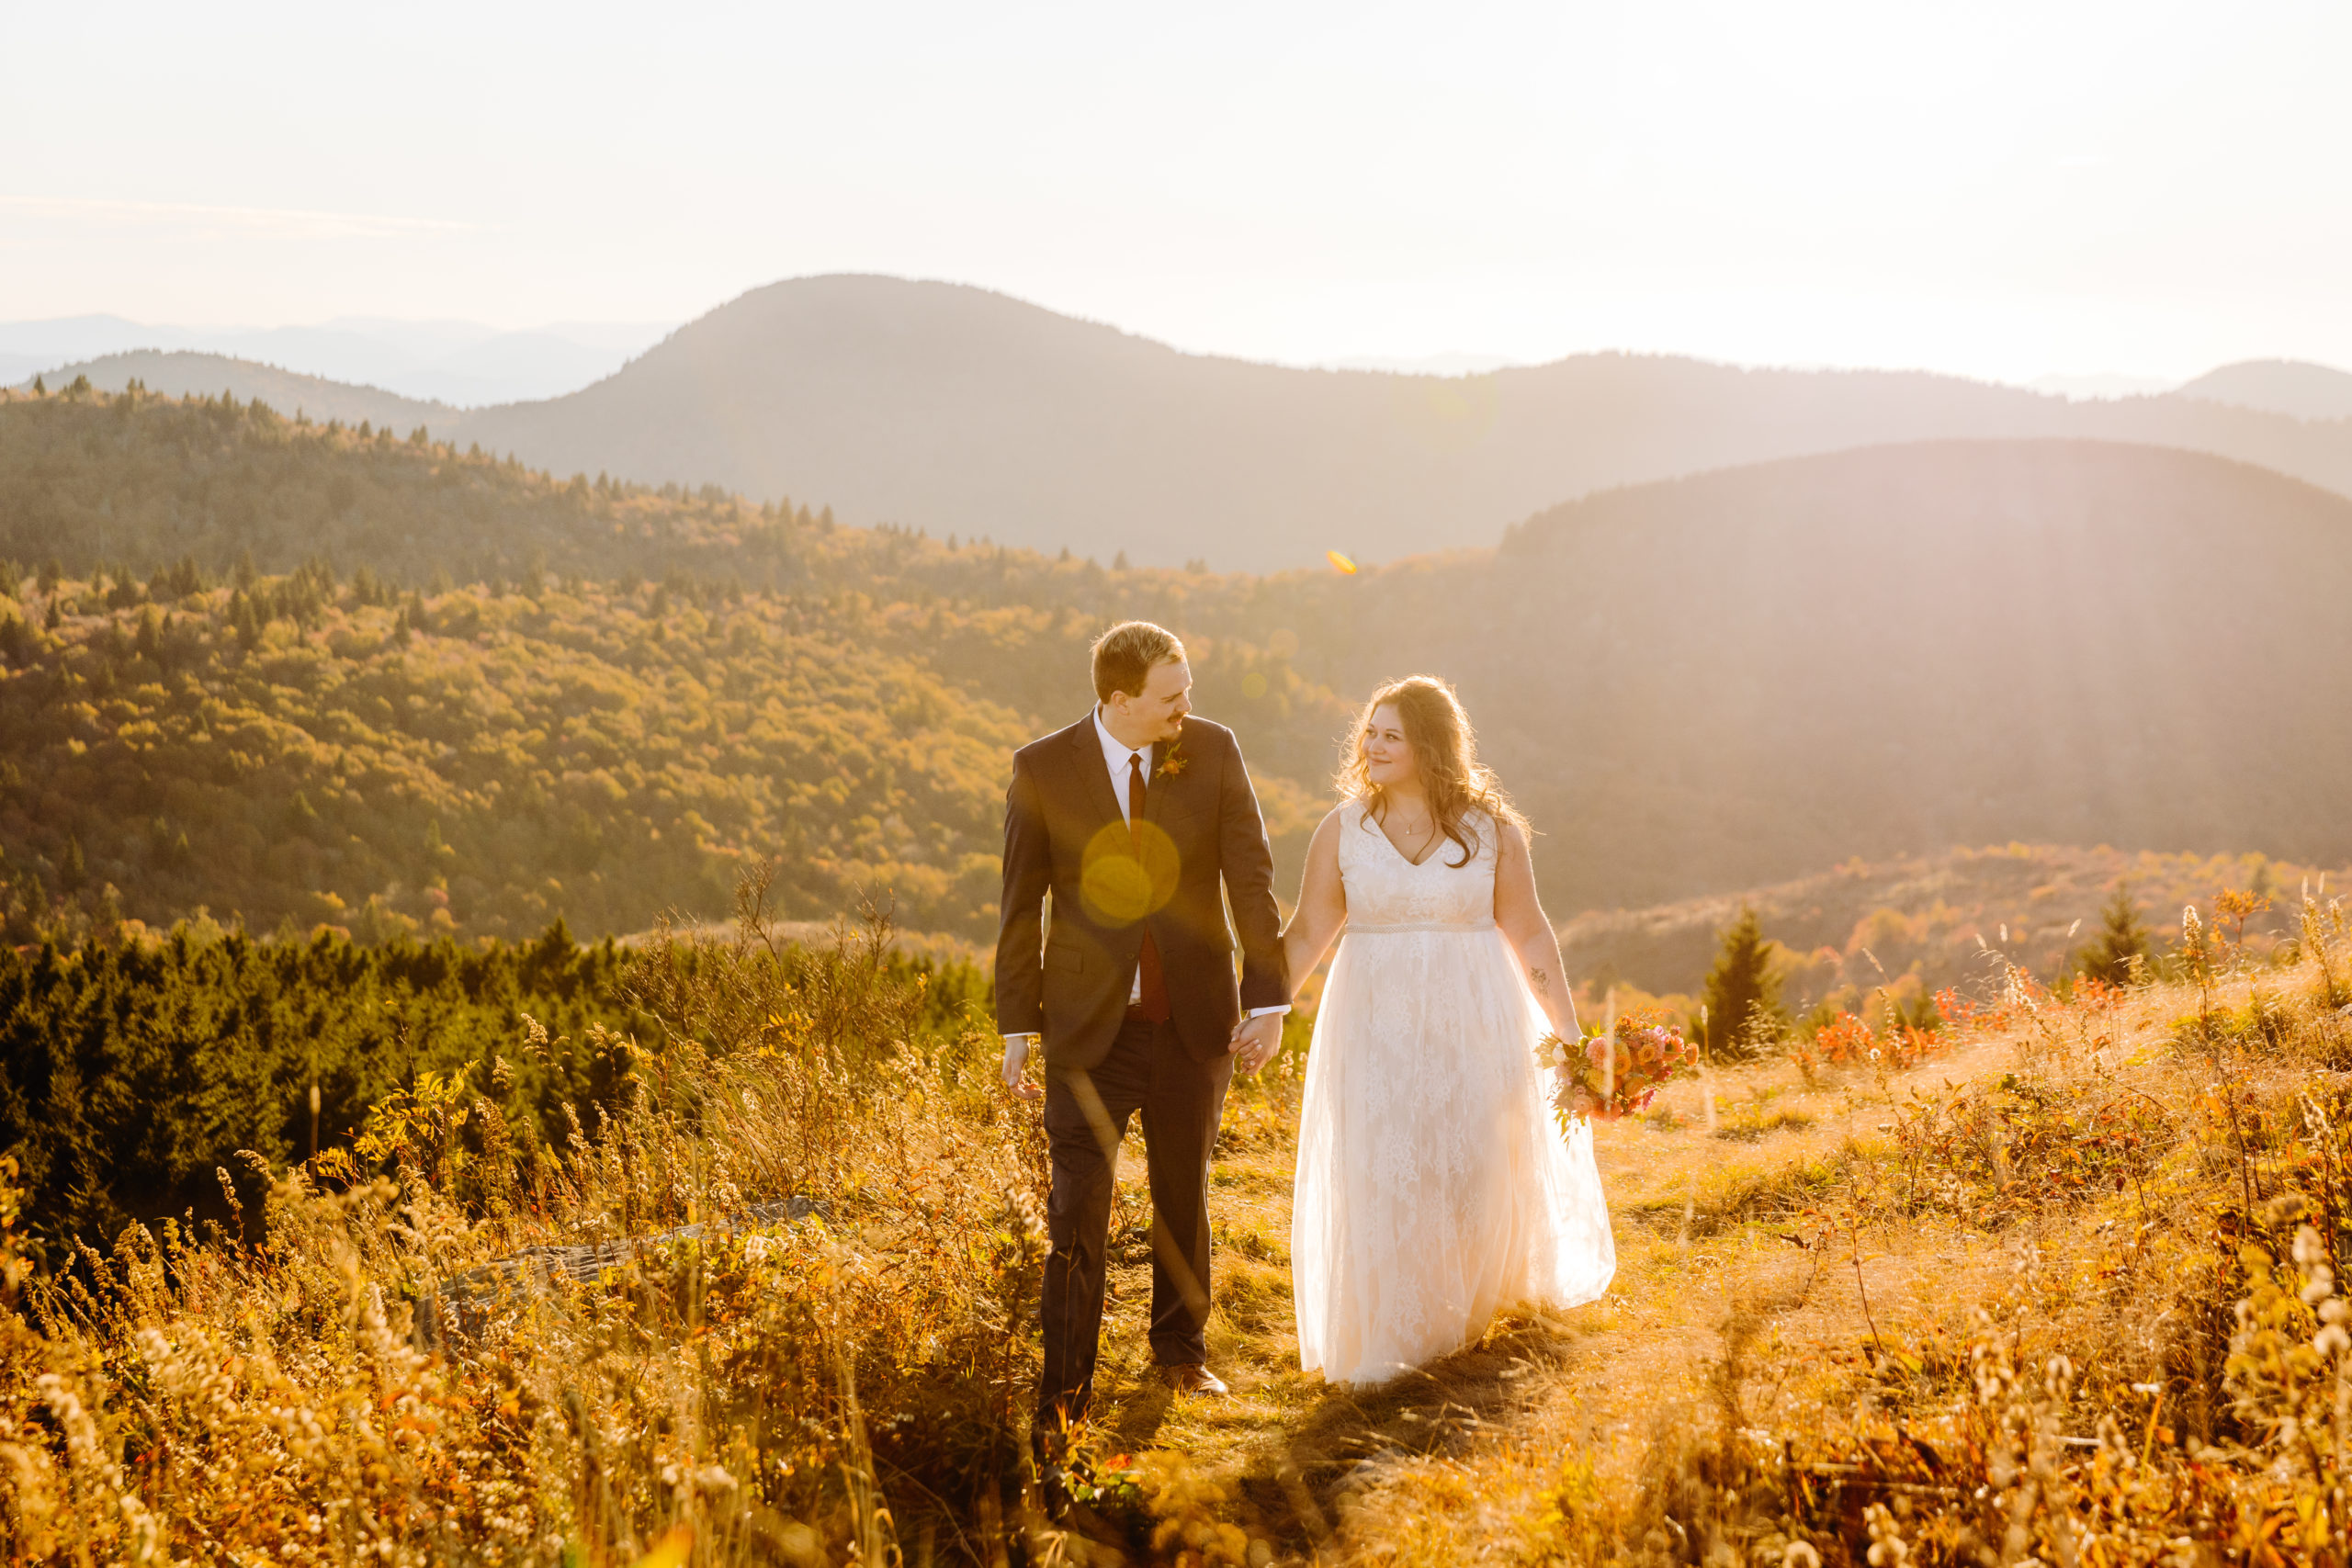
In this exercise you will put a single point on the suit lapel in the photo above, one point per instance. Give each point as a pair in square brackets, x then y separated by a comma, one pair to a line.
[1095, 779]
[1155, 791]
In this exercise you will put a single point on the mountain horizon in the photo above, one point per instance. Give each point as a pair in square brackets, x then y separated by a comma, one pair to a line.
[459, 362]
[954, 409]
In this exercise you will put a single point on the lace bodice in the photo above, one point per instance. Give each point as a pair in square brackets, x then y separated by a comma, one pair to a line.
[1385, 890]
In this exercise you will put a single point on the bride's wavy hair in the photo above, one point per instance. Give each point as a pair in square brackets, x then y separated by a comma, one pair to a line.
[1445, 753]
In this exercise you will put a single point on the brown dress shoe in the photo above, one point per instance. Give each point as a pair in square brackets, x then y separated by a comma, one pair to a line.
[1193, 1378]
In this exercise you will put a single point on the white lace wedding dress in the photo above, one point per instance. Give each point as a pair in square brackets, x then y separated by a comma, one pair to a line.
[1434, 1183]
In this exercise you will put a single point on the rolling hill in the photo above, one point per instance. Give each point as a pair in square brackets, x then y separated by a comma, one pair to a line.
[954, 411]
[183, 373]
[958, 411]
[466, 363]
[301, 674]
[2293, 387]
[1742, 676]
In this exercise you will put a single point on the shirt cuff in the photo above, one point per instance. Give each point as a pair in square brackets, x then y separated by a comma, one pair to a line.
[1260, 1012]
[1021, 1034]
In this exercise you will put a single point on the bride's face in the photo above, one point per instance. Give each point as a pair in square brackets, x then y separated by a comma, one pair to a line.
[1387, 755]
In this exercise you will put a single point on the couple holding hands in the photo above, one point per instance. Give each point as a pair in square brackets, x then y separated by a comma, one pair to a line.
[1432, 1186]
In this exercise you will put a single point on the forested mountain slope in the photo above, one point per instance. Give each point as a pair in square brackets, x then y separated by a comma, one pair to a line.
[290, 710]
[307, 673]
[962, 411]
[1743, 677]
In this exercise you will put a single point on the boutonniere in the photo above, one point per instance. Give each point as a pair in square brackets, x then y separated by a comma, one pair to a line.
[1173, 763]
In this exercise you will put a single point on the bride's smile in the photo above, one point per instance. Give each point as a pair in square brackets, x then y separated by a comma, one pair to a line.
[1387, 755]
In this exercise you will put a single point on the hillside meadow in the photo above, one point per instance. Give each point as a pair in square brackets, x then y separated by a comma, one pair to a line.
[1864, 932]
[2056, 1285]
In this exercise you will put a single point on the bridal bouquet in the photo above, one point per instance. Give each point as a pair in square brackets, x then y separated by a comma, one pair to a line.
[1615, 1074]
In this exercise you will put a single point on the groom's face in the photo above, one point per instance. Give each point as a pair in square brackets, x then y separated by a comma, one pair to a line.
[1157, 713]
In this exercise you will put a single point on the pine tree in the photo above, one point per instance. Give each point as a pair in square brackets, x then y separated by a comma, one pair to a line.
[72, 870]
[1744, 1010]
[2121, 939]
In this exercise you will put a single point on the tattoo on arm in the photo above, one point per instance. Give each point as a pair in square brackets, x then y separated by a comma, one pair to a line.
[1542, 987]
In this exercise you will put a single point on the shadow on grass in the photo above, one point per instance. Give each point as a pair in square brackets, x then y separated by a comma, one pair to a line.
[1297, 1482]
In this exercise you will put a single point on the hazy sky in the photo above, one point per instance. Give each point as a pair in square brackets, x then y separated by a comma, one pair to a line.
[2002, 189]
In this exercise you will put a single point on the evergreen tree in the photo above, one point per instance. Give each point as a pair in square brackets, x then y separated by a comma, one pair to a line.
[244, 621]
[2121, 939]
[1742, 995]
[72, 871]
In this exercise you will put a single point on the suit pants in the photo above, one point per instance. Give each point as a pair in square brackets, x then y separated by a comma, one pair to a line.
[1147, 1069]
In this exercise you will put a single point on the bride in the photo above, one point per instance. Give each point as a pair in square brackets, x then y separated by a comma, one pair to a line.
[1433, 1184]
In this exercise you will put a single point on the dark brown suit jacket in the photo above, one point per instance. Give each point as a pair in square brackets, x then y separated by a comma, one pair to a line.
[1204, 844]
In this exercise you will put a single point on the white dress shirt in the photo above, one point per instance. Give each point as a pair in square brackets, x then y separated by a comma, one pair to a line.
[1116, 755]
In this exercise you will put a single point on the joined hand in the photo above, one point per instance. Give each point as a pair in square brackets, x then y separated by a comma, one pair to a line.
[1016, 1053]
[1255, 1041]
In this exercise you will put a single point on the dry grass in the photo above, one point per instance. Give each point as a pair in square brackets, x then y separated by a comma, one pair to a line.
[803, 1342]
[2061, 1297]
[2051, 1296]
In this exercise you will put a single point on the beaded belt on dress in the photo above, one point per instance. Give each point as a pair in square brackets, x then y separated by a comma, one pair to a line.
[1355, 930]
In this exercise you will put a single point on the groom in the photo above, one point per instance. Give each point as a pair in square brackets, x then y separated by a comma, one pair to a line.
[1139, 824]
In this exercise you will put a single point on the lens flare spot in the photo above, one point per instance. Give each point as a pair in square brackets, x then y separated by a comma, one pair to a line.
[1253, 685]
[1340, 562]
[1123, 879]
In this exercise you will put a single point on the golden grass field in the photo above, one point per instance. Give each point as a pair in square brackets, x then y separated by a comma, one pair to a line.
[2059, 1293]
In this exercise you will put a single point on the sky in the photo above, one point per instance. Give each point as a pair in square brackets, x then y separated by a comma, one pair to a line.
[1995, 189]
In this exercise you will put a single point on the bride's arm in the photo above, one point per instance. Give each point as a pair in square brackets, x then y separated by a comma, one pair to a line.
[1524, 926]
[1322, 906]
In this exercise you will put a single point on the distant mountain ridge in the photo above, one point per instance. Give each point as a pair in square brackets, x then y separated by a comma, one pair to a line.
[960, 412]
[956, 409]
[464, 364]
[2293, 387]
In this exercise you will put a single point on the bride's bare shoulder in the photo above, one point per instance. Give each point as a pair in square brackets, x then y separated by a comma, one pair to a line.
[1348, 814]
[1335, 821]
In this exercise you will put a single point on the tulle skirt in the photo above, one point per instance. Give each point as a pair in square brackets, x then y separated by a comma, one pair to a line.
[1433, 1184]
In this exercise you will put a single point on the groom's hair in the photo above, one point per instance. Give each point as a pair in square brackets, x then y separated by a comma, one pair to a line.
[1125, 655]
